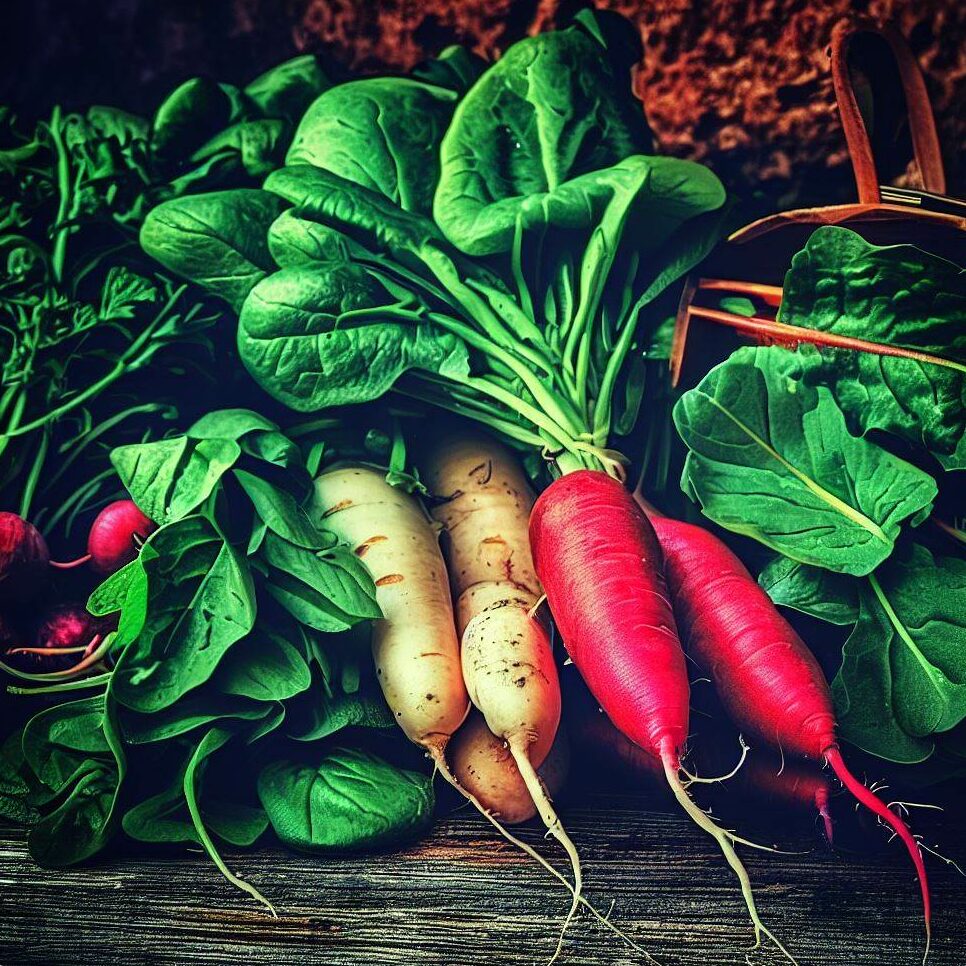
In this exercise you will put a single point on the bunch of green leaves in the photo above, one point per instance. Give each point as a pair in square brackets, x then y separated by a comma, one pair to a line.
[239, 692]
[488, 242]
[834, 458]
[81, 308]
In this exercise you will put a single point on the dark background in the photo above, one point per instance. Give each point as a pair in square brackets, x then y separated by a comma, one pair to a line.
[740, 84]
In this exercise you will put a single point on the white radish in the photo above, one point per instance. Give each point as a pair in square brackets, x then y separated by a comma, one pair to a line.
[483, 765]
[414, 644]
[483, 501]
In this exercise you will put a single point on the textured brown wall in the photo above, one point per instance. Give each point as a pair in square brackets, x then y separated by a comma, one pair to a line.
[741, 84]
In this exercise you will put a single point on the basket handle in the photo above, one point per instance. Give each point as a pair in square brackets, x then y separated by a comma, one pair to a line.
[922, 124]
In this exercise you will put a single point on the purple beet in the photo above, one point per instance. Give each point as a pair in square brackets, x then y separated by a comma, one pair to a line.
[23, 560]
[64, 638]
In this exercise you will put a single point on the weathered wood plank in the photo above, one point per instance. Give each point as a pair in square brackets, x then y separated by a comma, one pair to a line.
[462, 898]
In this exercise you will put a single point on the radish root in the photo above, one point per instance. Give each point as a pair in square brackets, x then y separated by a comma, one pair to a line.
[724, 840]
[440, 764]
[834, 757]
[550, 818]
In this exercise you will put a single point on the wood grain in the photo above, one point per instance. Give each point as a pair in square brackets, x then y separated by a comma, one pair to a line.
[462, 898]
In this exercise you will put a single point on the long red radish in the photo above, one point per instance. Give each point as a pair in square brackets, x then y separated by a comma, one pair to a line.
[600, 565]
[765, 675]
[483, 502]
[484, 766]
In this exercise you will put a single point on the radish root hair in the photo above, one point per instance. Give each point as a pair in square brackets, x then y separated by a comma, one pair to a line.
[440, 765]
[724, 839]
[834, 757]
[554, 827]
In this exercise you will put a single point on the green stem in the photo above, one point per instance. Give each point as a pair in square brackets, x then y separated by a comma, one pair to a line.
[61, 229]
[558, 410]
[30, 487]
[605, 396]
[120, 367]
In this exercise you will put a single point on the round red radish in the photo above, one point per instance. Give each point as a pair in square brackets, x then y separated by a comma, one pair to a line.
[114, 539]
[23, 559]
[116, 535]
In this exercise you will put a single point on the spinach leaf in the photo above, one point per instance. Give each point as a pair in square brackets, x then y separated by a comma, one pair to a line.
[201, 707]
[456, 67]
[294, 241]
[896, 295]
[74, 749]
[819, 593]
[287, 90]
[263, 667]
[281, 513]
[196, 613]
[329, 335]
[770, 457]
[349, 800]
[550, 110]
[256, 147]
[329, 590]
[171, 478]
[16, 798]
[215, 239]
[164, 817]
[908, 642]
[230, 424]
[191, 114]
[382, 133]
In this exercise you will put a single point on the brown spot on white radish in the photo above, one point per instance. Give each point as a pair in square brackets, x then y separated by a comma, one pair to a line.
[337, 508]
[390, 579]
[363, 547]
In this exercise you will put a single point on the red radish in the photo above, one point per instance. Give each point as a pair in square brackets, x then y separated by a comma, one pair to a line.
[65, 637]
[23, 559]
[115, 537]
[600, 565]
[791, 783]
[765, 675]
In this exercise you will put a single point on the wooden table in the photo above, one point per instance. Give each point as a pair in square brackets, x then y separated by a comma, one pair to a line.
[462, 897]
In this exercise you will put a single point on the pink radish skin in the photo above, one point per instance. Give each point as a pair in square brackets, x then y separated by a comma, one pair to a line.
[765, 675]
[114, 539]
[23, 559]
[600, 565]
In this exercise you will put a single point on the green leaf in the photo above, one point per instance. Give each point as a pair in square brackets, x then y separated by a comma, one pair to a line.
[189, 116]
[897, 295]
[819, 593]
[263, 667]
[456, 67]
[195, 616]
[217, 240]
[330, 712]
[336, 574]
[171, 478]
[303, 339]
[229, 424]
[16, 799]
[165, 818]
[197, 708]
[295, 241]
[288, 89]
[770, 457]
[550, 110]
[281, 513]
[380, 132]
[256, 146]
[349, 800]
